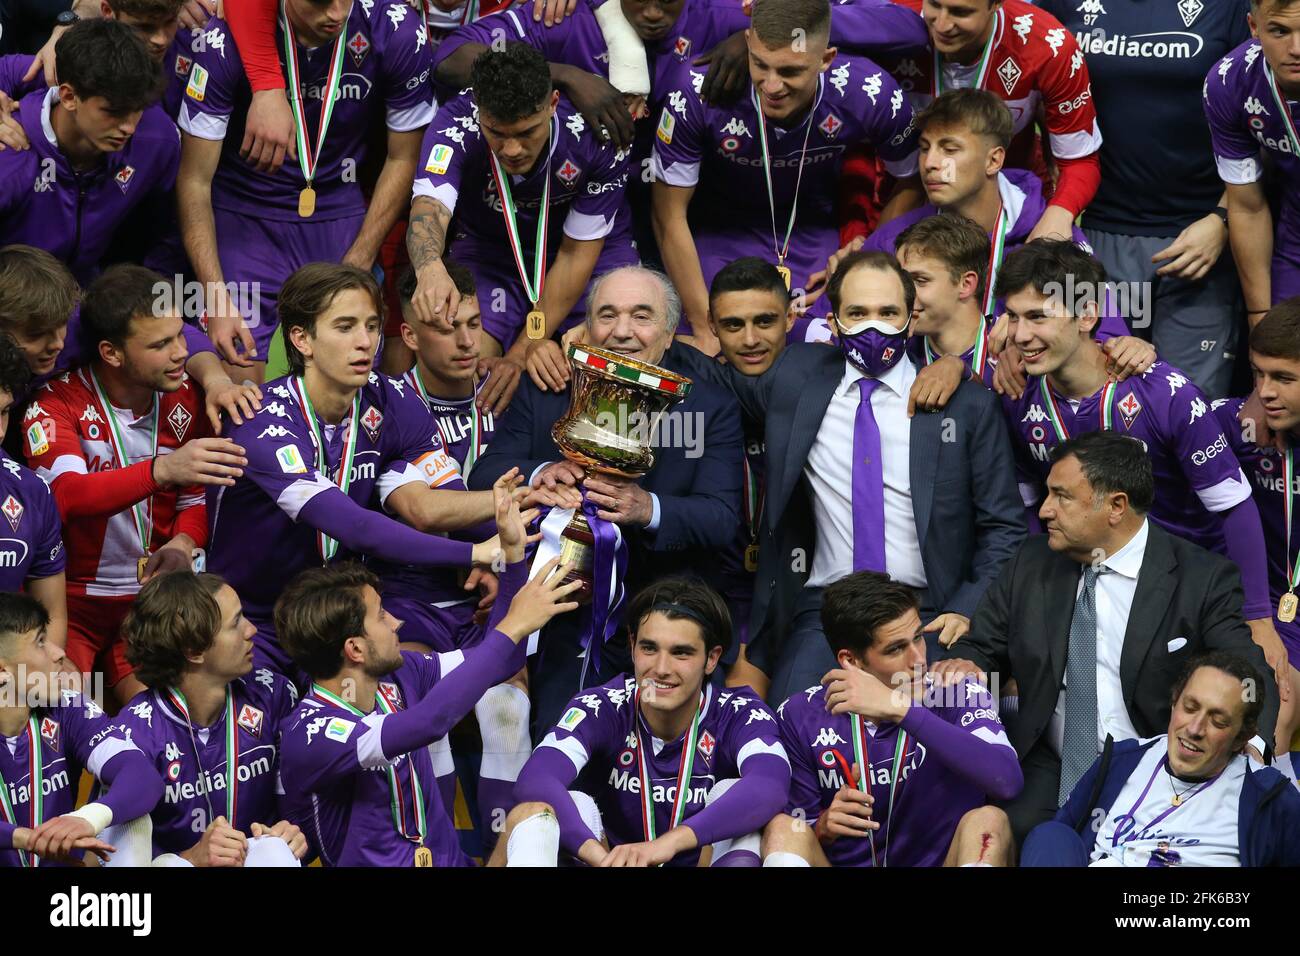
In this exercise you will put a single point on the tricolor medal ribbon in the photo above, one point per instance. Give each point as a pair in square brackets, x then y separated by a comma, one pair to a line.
[782, 249]
[141, 511]
[985, 60]
[1284, 110]
[309, 156]
[178, 701]
[326, 545]
[684, 769]
[35, 791]
[532, 286]
[1107, 410]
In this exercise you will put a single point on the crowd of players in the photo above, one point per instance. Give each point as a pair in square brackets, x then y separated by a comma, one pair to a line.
[927, 312]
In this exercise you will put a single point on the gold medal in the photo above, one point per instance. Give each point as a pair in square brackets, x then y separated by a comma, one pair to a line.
[306, 202]
[751, 558]
[423, 857]
[1177, 799]
[785, 276]
[535, 324]
[1286, 607]
[139, 568]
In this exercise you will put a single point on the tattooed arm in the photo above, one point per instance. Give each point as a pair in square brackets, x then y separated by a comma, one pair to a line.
[436, 299]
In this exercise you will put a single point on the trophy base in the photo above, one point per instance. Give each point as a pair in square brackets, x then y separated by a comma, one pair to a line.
[578, 548]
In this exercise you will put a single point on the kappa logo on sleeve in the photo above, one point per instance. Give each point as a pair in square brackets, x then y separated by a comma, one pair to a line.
[572, 717]
[666, 126]
[439, 160]
[196, 89]
[339, 729]
[290, 460]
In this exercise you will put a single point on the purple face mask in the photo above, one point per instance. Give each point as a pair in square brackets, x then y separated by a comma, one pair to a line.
[875, 347]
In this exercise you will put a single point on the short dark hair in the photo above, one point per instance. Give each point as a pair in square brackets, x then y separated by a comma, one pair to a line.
[1238, 667]
[510, 84]
[749, 273]
[1052, 263]
[15, 373]
[1112, 463]
[461, 278]
[19, 614]
[174, 617]
[881, 262]
[107, 58]
[1278, 332]
[775, 22]
[684, 598]
[317, 613]
[980, 111]
[121, 293]
[959, 243]
[147, 9]
[309, 291]
[856, 605]
[37, 292]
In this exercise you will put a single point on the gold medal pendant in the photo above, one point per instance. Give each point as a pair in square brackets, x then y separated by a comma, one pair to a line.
[535, 324]
[751, 558]
[785, 275]
[306, 202]
[139, 568]
[1177, 799]
[423, 857]
[1286, 607]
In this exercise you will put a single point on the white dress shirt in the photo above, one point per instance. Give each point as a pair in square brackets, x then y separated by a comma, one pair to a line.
[1114, 599]
[829, 470]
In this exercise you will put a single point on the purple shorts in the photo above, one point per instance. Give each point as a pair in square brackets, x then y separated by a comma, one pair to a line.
[267, 252]
[441, 629]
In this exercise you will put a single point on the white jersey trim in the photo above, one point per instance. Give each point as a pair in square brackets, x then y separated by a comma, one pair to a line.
[1239, 172]
[1228, 493]
[583, 226]
[63, 465]
[1078, 144]
[445, 193]
[105, 751]
[393, 479]
[571, 747]
[990, 736]
[756, 747]
[294, 498]
[203, 125]
[370, 748]
[678, 174]
[410, 119]
[449, 661]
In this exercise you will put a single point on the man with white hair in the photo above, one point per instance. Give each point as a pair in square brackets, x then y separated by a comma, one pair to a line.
[673, 520]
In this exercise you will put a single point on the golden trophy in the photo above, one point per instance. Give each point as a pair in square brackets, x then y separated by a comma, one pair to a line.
[615, 404]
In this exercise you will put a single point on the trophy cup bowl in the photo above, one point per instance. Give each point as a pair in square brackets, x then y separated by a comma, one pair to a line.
[615, 404]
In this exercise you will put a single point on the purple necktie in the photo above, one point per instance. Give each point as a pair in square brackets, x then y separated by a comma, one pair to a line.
[868, 486]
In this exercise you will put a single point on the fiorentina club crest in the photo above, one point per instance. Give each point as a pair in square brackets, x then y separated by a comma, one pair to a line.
[887, 354]
[569, 172]
[183, 64]
[1129, 407]
[358, 46]
[250, 718]
[371, 421]
[1190, 10]
[13, 510]
[123, 177]
[1009, 74]
[391, 694]
[50, 732]
[682, 47]
[179, 419]
[707, 743]
[830, 125]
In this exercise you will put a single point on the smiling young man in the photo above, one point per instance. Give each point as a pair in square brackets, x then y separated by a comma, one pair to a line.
[37, 298]
[1051, 289]
[48, 736]
[334, 448]
[1189, 797]
[665, 764]
[1252, 101]
[761, 176]
[886, 763]
[124, 444]
[495, 156]
[209, 725]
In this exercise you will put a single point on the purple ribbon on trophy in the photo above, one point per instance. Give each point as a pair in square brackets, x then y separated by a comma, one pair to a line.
[614, 407]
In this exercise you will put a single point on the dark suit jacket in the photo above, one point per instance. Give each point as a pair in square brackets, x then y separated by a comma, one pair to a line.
[699, 497]
[1022, 630]
[969, 517]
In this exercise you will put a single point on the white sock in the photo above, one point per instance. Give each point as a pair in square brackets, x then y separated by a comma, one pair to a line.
[502, 714]
[269, 851]
[749, 841]
[171, 860]
[134, 842]
[781, 858]
[589, 812]
[535, 842]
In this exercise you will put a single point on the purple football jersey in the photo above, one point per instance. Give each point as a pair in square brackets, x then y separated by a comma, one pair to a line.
[717, 151]
[587, 183]
[31, 536]
[386, 65]
[464, 429]
[598, 735]
[257, 543]
[918, 814]
[1196, 473]
[923, 353]
[74, 214]
[72, 737]
[1265, 469]
[197, 784]
[1246, 119]
[336, 784]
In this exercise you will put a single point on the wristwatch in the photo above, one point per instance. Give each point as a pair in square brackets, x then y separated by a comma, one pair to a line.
[1222, 213]
[66, 19]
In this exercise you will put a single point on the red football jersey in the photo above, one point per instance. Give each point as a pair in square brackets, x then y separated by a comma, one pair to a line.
[69, 442]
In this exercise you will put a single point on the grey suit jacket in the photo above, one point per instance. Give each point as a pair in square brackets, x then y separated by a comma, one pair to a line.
[969, 517]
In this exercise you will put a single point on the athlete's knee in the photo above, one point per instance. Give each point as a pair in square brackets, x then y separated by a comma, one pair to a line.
[989, 820]
[785, 834]
[523, 811]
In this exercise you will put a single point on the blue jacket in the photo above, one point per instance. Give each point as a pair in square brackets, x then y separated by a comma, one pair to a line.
[1268, 818]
